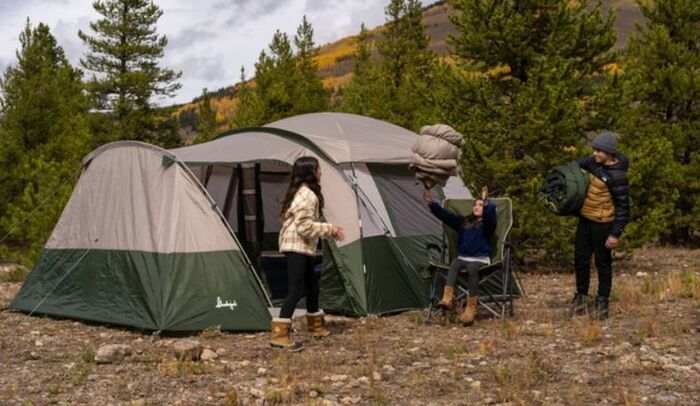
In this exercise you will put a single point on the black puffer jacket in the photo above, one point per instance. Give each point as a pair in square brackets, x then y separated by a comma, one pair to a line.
[615, 176]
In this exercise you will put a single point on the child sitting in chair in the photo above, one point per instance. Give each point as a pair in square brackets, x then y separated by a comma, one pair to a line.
[474, 234]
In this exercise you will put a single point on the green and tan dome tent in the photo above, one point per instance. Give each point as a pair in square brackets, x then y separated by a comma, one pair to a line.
[140, 243]
[369, 191]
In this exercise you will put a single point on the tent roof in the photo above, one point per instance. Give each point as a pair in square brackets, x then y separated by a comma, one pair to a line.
[339, 137]
[352, 138]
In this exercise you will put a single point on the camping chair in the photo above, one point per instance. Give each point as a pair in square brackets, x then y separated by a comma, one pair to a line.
[498, 284]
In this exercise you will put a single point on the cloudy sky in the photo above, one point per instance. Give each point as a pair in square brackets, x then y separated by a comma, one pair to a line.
[209, 39]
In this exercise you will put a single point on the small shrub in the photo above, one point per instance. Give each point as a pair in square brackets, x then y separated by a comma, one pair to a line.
[15, 275]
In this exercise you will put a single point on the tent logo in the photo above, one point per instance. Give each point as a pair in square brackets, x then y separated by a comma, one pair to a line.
[230, 305]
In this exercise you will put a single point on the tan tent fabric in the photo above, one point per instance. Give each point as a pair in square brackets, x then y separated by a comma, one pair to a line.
[352, 138]
[341, 208]
[141, 183]
[338, 140]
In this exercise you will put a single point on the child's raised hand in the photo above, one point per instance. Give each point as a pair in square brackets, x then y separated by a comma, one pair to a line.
[484, 192]
[338, 233]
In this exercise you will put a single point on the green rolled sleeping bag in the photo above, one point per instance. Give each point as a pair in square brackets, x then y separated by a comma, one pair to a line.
[564, 189]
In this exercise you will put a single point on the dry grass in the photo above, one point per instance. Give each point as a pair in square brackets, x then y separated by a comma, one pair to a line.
[180, 368]
[648, 328]
[232, 398]
[588, 331]
[515, 379]
[511, 329]
[661, 287]
[627, 398]
[487, 346]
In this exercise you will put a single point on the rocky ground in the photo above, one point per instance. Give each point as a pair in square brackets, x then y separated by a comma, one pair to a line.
[647, 353]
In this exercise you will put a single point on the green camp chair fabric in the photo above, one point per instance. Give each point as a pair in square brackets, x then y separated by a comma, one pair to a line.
[564, 189]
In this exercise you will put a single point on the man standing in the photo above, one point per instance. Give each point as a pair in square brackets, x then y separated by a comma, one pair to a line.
[603, 217]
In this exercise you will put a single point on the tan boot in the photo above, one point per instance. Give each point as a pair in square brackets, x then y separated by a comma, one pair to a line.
[281, 335]
[316, 323]
[448, 294]
[469, 313]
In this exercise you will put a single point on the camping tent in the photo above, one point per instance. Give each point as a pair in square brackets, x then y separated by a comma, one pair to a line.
[369, 191]
[140, 243]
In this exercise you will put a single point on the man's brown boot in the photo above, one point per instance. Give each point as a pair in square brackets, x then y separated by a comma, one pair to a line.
[281, 335]
[448, 294]
[315, 323]
[469, 313]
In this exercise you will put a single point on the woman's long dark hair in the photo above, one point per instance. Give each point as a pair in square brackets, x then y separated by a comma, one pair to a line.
[303, 172]
[471, 220]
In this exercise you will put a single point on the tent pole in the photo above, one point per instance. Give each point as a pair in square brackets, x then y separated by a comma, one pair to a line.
[229, 194]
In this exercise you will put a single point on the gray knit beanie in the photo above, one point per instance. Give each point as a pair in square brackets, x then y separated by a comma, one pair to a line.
[606, 141]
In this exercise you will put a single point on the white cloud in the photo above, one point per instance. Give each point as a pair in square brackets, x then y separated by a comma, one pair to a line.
[209, 40]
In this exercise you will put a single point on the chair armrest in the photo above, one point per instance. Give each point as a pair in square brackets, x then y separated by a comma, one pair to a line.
[436, 266]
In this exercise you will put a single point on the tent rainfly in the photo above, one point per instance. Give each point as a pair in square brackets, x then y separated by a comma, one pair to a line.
[141, 244]
[369, 191]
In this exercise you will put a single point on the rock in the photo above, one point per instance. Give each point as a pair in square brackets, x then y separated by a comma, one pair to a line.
[388, 369]
[111, 353]
[39, 343]
[209, 355]
[220, 351]
[338, 378]
[257, 393]
[187, 350]
[260, 382]
[641, 274]
[475, 385]
[363, 380]
[376, 376]
[33, 356]
[262, 371]
[138, 402]
[245, 363]
[313, 394]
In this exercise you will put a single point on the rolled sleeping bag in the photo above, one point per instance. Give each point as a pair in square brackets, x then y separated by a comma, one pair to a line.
[564, 189]
[435, 154]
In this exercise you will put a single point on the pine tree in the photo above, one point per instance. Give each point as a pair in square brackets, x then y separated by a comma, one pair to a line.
[250, 111]
[661, 121]
[43, 136]
[526, 73]
[124, 55]
[358, 96]
[396, 87]
[286, 82]
[206, 119]
[311, 96]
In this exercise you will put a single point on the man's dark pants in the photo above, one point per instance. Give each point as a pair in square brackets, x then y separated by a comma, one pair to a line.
[590, 241]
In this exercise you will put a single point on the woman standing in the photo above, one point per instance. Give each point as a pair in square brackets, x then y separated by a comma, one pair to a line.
[302, 209]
